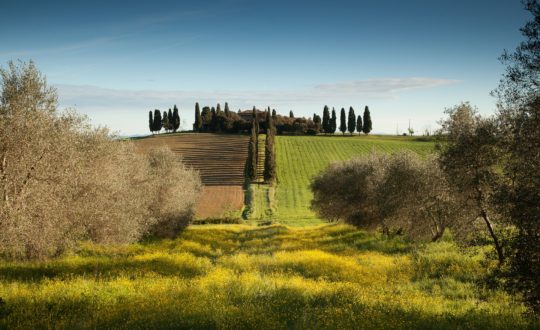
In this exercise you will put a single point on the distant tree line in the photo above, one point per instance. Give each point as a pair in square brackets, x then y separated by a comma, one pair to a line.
[169, 121]
[212, 119]
[350, 124]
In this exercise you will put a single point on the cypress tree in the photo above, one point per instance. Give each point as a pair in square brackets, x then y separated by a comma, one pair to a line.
[274, 114]
[326, 120]
[165, 121]
[218, 109]
[197, 125]
[317, 121]
[213, 122]
[367, 121]
[227, 111]
[291, 114]
[157, 121]
[359, 124]
[269, 156]
[150, 122]
[343, 122]
[333, 122]
[175, 119]
[252, 152]
[351, 123]
[267, 120]
[255, 117]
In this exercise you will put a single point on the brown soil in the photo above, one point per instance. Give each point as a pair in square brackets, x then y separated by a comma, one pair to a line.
[220, 160]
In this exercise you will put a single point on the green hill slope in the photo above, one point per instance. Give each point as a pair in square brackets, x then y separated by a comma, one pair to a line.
[300, 158]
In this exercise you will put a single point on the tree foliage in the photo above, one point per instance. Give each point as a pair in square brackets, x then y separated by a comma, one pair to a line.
[175, 119]
[326, 120]
[158, 124]
[351, 122]
[150, 122]
[251, 162]
[343, 121]
[519, 118]
[62, 181]
[359, 124]
[269, 152]
[400, 192]
[367, 121]
[469, 156]
[333, 122]
[197, 126]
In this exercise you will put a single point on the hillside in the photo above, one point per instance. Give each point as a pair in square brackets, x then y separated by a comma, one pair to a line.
[300, 158]
[232, 276]
[220, 160]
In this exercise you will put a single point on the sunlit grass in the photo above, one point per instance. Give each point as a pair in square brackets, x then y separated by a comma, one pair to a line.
[300, 158]
[237, 276]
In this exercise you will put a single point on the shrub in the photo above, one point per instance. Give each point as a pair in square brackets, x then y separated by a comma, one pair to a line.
[398, 192]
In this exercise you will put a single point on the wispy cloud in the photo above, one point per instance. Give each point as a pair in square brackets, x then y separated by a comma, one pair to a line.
[72, 47]
[383, 87]
[126, 110]
[380, 88]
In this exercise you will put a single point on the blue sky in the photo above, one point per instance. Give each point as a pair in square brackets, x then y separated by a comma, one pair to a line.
[406, 60]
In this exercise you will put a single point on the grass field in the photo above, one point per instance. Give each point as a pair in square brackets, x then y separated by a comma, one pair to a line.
[300, 158]
[237, 276]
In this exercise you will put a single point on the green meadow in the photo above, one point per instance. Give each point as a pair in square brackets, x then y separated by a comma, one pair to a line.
[239, 276]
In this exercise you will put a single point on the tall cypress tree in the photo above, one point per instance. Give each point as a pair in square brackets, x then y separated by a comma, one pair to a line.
[150, 122]
[226, 110]
[256, 118]
[291, 114]
[165, 121]
[213, 122]
[197, 126]
[274, 114]
[269, 155]
[367, 121]
[333, 122]
[157, 121]
[326, 120]
[252, 152]
[351, 122]
[170, 120]
[175, 119]
[218, 109]
[359, 124]
[342, 122]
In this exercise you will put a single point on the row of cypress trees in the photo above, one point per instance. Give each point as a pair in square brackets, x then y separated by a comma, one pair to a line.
[350, 123]
[170, 121]
[269, 153]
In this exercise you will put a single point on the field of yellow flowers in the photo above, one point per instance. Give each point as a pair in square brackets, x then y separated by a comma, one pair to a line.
[236, 276]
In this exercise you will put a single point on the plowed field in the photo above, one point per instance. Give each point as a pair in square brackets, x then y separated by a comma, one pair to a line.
[220, 160]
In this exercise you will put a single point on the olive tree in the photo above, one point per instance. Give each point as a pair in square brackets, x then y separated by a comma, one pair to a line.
[470, 156]
[62, 181]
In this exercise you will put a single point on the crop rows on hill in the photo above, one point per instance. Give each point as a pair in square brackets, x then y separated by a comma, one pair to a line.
[300, 158]
[220, 160]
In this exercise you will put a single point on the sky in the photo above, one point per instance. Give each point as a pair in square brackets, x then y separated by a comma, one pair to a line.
[407, 60]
